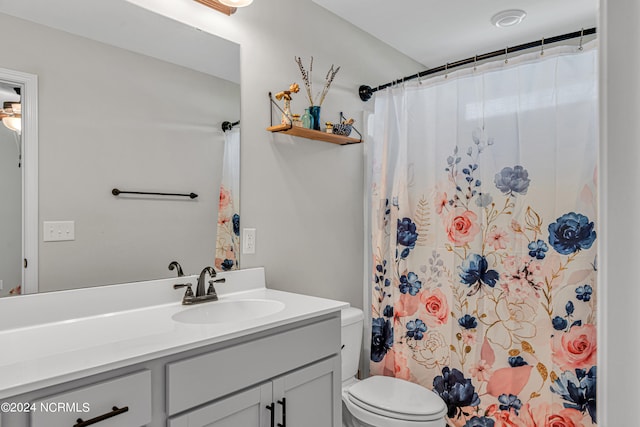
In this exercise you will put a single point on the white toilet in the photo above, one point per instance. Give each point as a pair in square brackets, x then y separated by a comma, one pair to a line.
[380, 401]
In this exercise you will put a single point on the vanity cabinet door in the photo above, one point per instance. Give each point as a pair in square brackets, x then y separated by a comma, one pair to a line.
[245, 409]
[310, 397]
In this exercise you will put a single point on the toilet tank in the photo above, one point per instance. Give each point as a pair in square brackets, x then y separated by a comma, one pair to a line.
[352, 327]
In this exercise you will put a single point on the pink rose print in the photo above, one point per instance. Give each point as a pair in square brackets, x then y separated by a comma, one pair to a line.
[546, 415]
[406, 305]
[576, 348]
[225, 198]
[461, 226]
[436, 306]
[395, 365]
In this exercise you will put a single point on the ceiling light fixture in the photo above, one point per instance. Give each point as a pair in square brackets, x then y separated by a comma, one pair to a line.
[11, 116]
[508, 18]
[236, 3]
[216, 5]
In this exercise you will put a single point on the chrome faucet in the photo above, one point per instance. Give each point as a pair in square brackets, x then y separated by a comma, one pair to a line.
[200, 295]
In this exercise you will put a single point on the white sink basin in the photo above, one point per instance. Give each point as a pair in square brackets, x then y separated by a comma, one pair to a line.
[228, 311]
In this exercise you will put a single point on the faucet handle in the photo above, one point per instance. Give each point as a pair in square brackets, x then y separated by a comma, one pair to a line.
[212, 291]
[188, 292]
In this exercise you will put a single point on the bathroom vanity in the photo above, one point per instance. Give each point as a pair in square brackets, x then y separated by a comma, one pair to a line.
[265, 358]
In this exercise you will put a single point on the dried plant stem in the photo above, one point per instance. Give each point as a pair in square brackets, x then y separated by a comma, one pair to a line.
[306, 77]
[328, 80]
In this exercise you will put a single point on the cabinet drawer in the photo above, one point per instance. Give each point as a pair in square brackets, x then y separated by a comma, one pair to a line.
[201, 379]
[130, 391]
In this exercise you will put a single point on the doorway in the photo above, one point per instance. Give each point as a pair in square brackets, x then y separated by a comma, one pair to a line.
[19, 190]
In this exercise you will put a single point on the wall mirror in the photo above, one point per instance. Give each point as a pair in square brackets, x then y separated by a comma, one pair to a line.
[127, 99]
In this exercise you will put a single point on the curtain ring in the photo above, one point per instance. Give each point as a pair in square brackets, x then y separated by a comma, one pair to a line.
[542, 47]
[446, 72]
[581, 36]
[475, 62]
[506, 55]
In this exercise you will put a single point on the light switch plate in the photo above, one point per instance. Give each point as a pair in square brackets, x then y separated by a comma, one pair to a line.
[57, 231]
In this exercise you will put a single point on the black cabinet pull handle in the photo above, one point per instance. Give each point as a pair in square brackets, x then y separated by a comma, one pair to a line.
[271, 409]
[114, 411]
[283, 402]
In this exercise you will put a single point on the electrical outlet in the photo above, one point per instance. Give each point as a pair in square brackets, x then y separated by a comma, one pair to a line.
[248, 240]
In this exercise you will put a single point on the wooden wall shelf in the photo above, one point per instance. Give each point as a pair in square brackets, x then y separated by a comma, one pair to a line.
[313, 134]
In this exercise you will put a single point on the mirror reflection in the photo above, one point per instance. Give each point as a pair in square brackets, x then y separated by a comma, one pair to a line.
[133, 101]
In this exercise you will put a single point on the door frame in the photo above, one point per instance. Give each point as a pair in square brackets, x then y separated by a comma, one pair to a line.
[29, 141]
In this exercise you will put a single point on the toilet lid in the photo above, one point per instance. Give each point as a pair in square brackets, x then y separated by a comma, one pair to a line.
[396, 398]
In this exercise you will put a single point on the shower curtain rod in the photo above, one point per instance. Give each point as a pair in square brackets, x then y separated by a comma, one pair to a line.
[366, 92]
[228, 125]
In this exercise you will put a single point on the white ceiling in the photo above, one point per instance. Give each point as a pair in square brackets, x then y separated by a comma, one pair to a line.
[434, 32]
[125, 25]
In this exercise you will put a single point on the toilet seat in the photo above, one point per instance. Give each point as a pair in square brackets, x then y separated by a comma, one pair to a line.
[395, 399]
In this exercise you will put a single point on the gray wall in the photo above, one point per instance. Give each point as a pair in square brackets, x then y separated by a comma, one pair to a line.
[10, 212]
[112, 118]
[618, 251]
[305, 198]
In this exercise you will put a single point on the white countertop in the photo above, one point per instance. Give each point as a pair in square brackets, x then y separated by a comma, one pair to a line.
[61, 346]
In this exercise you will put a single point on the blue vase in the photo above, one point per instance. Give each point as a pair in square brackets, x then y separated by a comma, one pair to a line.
[314, 110]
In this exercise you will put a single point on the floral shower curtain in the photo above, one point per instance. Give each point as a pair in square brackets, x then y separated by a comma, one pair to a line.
[483, 239]
[228, 235]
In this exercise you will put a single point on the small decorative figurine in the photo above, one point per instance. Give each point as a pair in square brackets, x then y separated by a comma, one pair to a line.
[286, 95]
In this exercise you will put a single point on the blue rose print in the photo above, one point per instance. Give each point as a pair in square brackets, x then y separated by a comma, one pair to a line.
[236, 224]
[513, 180]
[508, 402]
[583, 293]
[407, 235]
[381, 338]
[571, 232]
[559, 323]
[456, 391]
[538, 249]
[416, 329]
[410, 284]
[468, 322]
[475, 271]
[578, 390]
[480, 422]
[227, 264]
